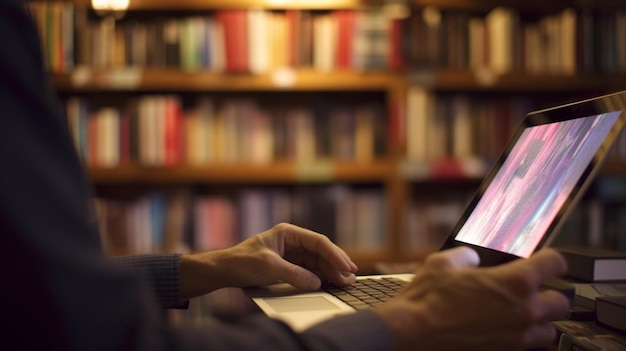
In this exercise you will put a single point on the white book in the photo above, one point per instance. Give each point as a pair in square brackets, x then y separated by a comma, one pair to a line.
[324, 43]
[258, 40]
[500, 23]
[420, 108]
[147, 119]
[477, 49]
[568, 41]
[108, 139]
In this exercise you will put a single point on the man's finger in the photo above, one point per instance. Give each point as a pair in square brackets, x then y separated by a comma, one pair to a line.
[339, 278]
[320, 245]
[551, 305]
[458, 257]
[541, 266]
[297, 276]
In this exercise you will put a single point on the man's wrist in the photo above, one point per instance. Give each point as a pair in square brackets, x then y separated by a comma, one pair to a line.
[200, 273]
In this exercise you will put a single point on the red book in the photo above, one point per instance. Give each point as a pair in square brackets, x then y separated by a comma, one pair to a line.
[396, 60]
[293, 41]
[235, 24]
[173, 120]
[345, 33]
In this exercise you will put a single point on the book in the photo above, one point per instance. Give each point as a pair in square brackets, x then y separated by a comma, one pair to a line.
[586, 294]
[500, 28]
[600, 342]
[345, 33]
[611, 311]
[591, 264]
[578, 328]
[586, 336]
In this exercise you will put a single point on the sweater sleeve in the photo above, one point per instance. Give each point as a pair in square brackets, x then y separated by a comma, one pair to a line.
[163, 273]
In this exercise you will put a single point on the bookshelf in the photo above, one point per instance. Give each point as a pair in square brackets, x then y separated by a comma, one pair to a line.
[444, 73]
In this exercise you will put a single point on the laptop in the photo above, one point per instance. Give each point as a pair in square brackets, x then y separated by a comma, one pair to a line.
[519, 207]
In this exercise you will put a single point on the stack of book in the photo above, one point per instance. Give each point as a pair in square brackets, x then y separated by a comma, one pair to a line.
[598, 280]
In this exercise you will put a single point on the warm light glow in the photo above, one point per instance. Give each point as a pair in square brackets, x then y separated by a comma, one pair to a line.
[110, 5]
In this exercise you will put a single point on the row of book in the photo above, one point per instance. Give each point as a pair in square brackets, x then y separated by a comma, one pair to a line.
[459, 126]
[505, 40]
[256, 41]
[183, 221]
[253, 41]
[465, 127]
[162, 130]
[159, 130]
[595, 281]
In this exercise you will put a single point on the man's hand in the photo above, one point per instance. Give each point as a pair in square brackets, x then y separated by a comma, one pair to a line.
[285, 252]
[452, 305]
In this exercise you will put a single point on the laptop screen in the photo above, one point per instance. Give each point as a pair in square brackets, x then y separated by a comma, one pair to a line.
[534, 182]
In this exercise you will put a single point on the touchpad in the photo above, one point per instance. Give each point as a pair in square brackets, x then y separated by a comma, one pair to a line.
[300, 304]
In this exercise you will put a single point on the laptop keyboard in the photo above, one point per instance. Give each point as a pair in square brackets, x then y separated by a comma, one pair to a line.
[367, 292]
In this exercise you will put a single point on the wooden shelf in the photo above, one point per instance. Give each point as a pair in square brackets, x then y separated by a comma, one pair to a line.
[152, 79]
[83, 80]
[470, 81]
[186, 5]
[478, 5]
[318, 172]
[486, 5]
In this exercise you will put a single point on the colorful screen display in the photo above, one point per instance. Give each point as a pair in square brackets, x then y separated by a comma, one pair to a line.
[533, 183]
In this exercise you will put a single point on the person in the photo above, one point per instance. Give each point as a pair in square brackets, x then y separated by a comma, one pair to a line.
[60, 292]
